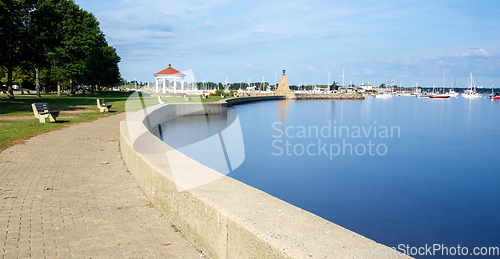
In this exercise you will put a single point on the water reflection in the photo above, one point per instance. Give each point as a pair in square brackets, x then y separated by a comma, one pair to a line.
[175, 131]
[283, 109]
[215, 140]
[425, 190]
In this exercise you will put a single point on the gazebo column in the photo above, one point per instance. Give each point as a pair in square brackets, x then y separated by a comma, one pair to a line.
[171, 74]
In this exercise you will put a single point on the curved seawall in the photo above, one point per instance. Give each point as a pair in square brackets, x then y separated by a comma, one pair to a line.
[224, 217]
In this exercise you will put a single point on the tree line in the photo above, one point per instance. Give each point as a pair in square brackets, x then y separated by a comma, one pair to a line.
[232, 86]
[54, 41]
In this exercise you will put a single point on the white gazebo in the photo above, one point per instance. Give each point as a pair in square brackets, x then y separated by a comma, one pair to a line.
[169, 74]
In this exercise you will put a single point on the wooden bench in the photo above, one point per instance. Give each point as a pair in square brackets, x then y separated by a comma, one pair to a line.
[103, 107]
[42, 112]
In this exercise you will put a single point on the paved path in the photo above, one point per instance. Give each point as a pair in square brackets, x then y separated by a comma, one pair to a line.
[67, 194]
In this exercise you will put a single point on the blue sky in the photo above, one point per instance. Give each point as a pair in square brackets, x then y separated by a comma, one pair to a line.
[409, 41]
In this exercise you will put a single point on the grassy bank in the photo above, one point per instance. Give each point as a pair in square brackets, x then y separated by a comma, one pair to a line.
[17, 122]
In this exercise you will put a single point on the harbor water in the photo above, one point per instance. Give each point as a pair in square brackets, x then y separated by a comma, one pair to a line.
[405, 172]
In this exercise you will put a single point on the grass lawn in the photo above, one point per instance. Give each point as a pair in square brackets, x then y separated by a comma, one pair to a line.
[17, 122]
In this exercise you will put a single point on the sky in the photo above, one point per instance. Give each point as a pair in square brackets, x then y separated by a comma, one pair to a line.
[314, 41]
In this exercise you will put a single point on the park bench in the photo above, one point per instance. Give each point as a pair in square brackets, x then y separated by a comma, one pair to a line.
[103, 107]
[42, 112]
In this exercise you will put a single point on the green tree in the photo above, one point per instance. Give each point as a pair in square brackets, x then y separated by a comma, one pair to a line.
[57, 40]
[69, 56]
[78, 53]
[13, 37]
[334, 86]
[102, 63]
[44, 32]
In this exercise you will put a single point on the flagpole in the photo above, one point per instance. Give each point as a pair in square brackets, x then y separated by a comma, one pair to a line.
[343, 78]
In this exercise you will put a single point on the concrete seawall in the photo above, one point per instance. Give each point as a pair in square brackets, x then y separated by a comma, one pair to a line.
[343, 96]
[224, 217]
[311, 96]
[241, 100]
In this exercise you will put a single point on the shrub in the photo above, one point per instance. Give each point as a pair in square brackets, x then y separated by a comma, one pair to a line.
[220, 92]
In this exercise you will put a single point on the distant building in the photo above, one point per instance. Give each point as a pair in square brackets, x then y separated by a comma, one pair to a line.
[351, 89]
[408, 90]
[366, 86]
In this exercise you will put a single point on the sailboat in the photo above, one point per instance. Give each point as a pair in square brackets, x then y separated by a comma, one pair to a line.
[385, 94]
[471, 90]
[494, 96]
[452, 92]
[440, 95]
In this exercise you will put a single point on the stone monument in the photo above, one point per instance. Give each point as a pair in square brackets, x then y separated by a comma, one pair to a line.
[283, 88]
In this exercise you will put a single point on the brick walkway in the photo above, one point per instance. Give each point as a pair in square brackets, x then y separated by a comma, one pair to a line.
[67, 194]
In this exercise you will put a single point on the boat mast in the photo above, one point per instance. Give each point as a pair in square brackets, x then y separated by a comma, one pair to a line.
[343, 78]
[468, 84]
[471, 84]
[443, 80]
[328, 80]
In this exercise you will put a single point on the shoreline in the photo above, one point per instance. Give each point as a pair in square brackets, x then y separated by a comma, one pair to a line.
[265, 227]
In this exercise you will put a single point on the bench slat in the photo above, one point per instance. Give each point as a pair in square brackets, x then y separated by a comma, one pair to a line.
[42, 111]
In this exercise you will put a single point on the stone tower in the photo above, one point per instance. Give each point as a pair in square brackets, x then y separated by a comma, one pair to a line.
[283, 88]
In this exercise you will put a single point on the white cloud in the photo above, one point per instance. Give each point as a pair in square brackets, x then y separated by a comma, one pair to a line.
[375, 39]
[473, 52]
[369, 72]
[208, 23]
[161, 34]
[259, 32]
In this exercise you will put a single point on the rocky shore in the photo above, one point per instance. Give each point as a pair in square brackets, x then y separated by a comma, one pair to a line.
[311, 96]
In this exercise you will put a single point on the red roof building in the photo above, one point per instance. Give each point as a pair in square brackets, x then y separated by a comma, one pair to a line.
[170, 73]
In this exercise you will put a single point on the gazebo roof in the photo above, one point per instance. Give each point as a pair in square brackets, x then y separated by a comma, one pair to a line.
[169, 71]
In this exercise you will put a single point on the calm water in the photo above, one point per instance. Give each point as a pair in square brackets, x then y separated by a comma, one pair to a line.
[409, 171]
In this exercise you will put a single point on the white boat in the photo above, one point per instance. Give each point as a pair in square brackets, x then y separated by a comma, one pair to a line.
[438, 95]
[423, 95]
[471, 94]
[471, 90]
[452, 93]
[384, 95]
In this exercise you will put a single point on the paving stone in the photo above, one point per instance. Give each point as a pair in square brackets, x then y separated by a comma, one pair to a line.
[67, 194]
